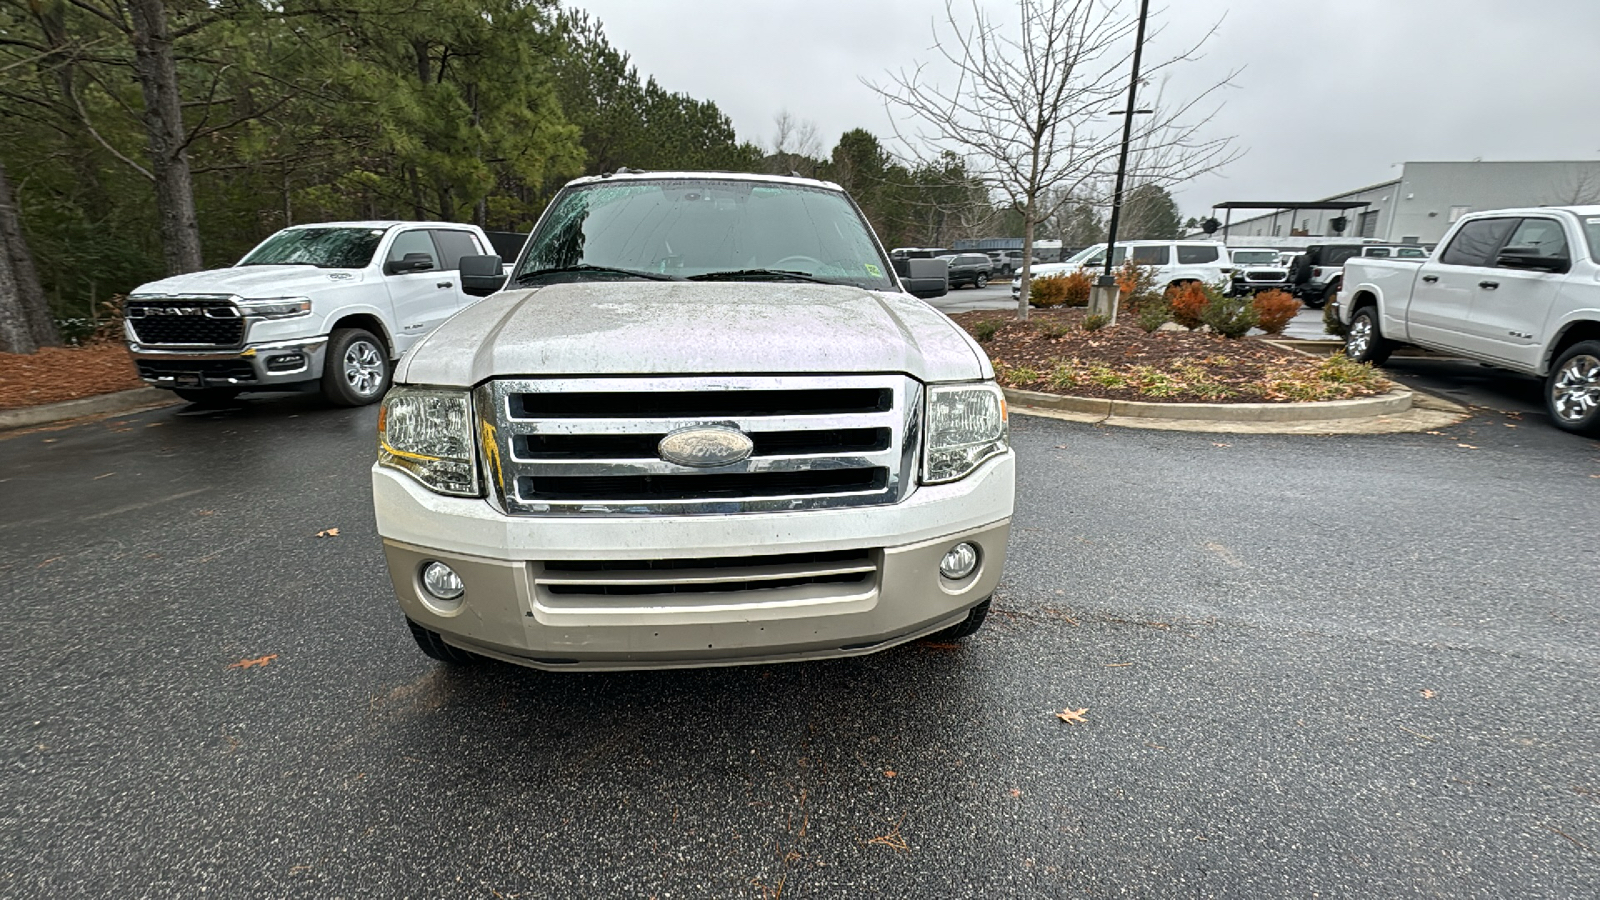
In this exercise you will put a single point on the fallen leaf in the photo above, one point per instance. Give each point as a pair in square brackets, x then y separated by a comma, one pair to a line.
[258, 662]
[328, 532]
[1508, 424]
[1016, 792]
[1467, 446]
[889, 773]
[1215, 444]
[1073, 715]
[1435, 433]
[205, 512]
[1429, 694]
[106, 475]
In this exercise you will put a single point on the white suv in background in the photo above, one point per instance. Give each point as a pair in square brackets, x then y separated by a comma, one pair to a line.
[1175, 262]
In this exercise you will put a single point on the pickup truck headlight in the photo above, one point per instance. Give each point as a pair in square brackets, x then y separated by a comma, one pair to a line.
[966, 425]
[275, 307]
[427, 433]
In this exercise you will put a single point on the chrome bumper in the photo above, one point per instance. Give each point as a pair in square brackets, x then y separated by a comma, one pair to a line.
[244, 368]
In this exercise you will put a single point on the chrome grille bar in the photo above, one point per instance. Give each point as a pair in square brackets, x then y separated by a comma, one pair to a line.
[553, 482]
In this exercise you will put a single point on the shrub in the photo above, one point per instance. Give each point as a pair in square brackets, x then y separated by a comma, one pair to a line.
[1137, 284]
[1096, 322]
[1331, 324]
[1274, 310]
[1187, 301]
[1230, 317]
[985, 330]
[1068, 289]
[1154, 314]
[1054, 329]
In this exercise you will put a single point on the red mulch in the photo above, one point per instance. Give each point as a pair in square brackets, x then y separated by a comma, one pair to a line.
[65, 373]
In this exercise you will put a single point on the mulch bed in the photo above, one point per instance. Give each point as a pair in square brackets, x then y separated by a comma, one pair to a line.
[65, 373]
[1207, 367]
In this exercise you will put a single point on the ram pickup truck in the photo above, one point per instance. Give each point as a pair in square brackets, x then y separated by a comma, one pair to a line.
[704, 422]
[327, 307]
[1514, 288]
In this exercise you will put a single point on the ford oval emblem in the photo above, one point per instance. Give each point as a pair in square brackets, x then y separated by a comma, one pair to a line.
[703, 446]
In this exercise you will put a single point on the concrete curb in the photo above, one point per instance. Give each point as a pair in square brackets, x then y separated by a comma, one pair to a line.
[121, 401]
[1392, 403]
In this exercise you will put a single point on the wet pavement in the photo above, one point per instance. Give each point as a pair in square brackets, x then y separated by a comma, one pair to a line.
[1310, 666]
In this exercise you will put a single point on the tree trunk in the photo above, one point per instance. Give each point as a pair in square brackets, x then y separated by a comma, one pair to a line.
[1028, 225]
[23, 283]
[157, 70]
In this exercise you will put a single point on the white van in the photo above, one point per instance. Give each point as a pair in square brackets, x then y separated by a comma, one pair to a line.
[1175, 262]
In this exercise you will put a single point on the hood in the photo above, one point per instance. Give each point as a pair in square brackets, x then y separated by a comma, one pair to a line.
[677, 328]
[253, 281]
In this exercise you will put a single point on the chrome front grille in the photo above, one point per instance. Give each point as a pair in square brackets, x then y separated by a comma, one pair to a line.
[626, 586]
[589, 446]
[185, 321]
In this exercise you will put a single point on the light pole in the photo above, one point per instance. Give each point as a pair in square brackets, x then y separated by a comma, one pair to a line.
[1107, 283]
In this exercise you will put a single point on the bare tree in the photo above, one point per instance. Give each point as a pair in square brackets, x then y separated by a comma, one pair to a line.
[796, 145]
[1029, 102]
[1579, 188]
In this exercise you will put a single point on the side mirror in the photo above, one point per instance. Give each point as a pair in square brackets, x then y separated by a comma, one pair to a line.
[481, 275]
[1530, 258]
[411, 262]
[925, 278]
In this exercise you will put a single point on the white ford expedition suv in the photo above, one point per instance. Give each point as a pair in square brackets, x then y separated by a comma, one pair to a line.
[704, 423]
[327, 306]
[1515, 288]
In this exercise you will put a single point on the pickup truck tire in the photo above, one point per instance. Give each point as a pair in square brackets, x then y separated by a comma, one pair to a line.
[1572, 392]
[206, 396]
[1365, 343]
[967, 627]
[357, 369]
[434, 647]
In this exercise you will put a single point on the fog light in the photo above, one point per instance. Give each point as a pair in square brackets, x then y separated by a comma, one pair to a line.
[442, 581]
[959, 561]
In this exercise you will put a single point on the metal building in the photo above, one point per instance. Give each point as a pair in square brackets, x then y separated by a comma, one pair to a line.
[1427, 198]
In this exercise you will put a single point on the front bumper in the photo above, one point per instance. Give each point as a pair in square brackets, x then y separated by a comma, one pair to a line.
[272, 365]
[511, 613]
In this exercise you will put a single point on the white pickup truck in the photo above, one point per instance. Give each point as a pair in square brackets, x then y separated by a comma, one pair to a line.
[327, 307]
[1515, 288]
[704, 423]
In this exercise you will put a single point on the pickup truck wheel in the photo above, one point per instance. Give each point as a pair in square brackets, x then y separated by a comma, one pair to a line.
[982, 282]
[357, 370]
[206, 396]
[1365, 343]
[433, 646]
[967, 627]
[1573, 389]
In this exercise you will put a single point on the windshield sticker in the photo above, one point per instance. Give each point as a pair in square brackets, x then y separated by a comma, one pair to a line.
[873, 270]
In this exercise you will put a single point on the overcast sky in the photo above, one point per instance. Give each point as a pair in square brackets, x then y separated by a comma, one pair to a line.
[1333, 95]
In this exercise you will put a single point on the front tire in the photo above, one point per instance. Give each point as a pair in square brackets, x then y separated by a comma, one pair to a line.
[981, 282]
[1572, 391]
[357, 369]
[966, 627]
[434, 647]
[1365, 343]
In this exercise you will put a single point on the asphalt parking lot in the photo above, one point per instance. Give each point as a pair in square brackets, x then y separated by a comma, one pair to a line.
[1354, 666]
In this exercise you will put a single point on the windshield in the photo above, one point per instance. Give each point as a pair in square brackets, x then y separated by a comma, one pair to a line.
[325, 248]
[1255, 257]
[704, 228]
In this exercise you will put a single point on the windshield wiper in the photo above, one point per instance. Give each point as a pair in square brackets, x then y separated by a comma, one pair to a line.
[761, 275]
[584, 269]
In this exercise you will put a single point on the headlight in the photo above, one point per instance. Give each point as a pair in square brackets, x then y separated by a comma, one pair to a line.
[966, 425]
[427, 433]
[275, 307]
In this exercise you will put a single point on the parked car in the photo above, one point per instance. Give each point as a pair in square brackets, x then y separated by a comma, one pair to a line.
[1515, 288]
[327, 307]
[1175, 262]
[918, 252]
[1256, 270]
[1316, 274]
[969, 268]
[658, 448]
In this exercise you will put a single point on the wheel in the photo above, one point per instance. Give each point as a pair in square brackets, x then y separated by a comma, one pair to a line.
[966, 627]
[982, 281]
[1572, 391]
[1365, 343]
[357, 369]
[433, 646]
[207, 396]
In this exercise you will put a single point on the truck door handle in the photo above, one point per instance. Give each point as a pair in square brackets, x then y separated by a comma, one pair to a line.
[1430, 278]
[445, 284]
[1488, 285]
